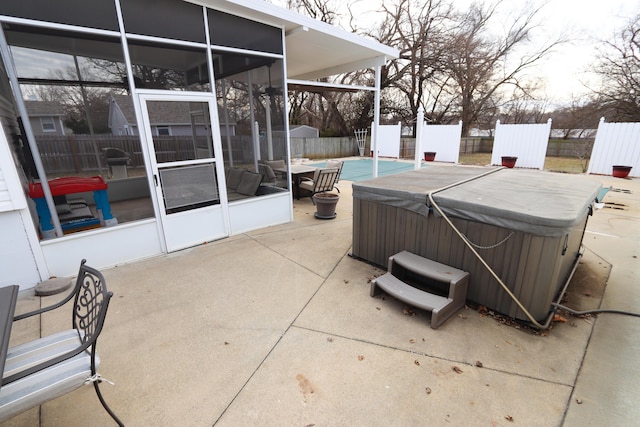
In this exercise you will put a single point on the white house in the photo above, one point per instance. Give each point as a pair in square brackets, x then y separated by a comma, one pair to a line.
[216, 61]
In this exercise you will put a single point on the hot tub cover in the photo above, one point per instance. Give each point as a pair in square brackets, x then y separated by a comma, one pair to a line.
[541, 203]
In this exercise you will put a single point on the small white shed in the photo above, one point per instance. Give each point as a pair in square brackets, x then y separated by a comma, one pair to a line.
[303, 131]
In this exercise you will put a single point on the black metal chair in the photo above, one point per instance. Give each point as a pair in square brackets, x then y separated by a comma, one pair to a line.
[52, 366]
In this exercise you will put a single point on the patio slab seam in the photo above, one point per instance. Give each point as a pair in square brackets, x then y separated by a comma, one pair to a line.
[287, 329]
[433, 356]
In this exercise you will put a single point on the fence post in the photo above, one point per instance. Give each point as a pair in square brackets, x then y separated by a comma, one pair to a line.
[419, 125]
[73, 146]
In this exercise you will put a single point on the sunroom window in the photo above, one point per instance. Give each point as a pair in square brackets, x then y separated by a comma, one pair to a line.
[85, 76]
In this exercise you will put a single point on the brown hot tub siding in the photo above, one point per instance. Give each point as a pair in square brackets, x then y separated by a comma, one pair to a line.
[533, 267]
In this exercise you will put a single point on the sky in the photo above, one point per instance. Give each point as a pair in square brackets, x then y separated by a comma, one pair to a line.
[585, 21]
[588, 21]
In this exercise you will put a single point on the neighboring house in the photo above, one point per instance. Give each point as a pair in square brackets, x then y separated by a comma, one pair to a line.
[45, 117]
[171, 119]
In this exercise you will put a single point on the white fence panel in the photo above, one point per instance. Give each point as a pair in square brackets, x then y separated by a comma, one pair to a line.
[444, 140]
[616, 144]
[527, 142]
[11, 193]
[388, 140]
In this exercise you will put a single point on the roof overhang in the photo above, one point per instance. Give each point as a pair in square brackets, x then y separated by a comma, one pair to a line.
[314, 49]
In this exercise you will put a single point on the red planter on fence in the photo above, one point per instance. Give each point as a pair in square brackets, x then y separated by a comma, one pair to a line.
[509, 161]
[621, 171]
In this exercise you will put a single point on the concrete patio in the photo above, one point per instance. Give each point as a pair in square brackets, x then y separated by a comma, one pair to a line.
[276, 327]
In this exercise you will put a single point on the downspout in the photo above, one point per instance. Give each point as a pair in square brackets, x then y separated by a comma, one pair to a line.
[22, 109]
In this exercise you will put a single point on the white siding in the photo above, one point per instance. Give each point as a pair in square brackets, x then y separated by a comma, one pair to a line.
[444, 140]
[11, 194]
[5, 198]
[17, 261]
[616, 144]
[526, 142]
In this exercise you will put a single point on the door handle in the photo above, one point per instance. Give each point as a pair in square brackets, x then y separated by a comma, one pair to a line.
[155, 179]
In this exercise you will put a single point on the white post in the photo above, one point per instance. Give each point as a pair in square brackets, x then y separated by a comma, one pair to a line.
[256, 143]
[459, 140]
[225, 114]
[419, 130]
[269, 137]
[376, 122]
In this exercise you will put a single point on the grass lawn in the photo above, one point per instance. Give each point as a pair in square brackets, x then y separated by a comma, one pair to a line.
[554, 164]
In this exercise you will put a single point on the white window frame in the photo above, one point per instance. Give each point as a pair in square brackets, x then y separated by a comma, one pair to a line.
[49, 122]
[168, 128]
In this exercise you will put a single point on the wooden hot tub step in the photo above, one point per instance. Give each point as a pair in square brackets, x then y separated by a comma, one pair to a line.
[441, 307]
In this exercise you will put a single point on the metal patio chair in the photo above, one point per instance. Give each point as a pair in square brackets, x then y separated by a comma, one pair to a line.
[336, 164]
[323, 181]
[49, 367]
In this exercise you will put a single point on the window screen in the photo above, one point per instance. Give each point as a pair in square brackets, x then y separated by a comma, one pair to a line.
[164, 18]
[170, 67]
[94, 14]
[233, 31]
[189, 187]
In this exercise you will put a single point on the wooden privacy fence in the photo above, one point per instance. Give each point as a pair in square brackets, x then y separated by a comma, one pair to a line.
[468, 145]
[81, 153]
[323, 148]
[73, 154]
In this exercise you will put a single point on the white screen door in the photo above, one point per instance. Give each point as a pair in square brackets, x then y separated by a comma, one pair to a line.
[187, 176]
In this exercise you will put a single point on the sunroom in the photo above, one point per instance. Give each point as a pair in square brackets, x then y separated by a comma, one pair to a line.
[172, 108]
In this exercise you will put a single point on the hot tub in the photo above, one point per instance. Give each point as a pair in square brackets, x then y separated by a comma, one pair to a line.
[527, 225]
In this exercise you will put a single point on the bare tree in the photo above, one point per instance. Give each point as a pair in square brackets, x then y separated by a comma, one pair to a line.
[418, 29]
[618, 66]
[321, 108]
[578, 118]
[521, 106]
[322, 10]
[86, 107]
[481, 64]
[450, 64]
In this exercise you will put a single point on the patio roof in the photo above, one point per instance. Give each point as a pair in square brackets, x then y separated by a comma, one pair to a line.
[314, 49]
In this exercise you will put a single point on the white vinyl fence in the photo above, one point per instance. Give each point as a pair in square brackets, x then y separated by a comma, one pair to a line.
[388, 140]
[444, 140]
[616, 144]
[527, 142]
